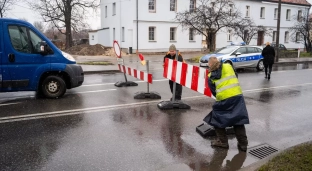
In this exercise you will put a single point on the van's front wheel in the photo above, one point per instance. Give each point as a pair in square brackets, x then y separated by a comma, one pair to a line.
[53, 87]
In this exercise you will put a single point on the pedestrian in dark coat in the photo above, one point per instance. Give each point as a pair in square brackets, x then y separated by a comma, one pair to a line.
[230, 108]
[268, 54]
[172, 55]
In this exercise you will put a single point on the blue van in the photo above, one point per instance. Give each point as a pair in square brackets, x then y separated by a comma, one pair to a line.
[29, 61]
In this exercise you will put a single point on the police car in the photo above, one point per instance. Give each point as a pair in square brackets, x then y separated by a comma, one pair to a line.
[238, 55]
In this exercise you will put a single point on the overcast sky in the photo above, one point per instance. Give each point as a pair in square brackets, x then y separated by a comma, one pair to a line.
[21, 10]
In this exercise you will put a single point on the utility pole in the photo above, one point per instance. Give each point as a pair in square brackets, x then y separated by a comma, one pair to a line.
[278, 30]
[137, 26]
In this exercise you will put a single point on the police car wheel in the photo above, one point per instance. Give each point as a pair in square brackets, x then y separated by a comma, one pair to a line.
[53, 87]
[260, 65]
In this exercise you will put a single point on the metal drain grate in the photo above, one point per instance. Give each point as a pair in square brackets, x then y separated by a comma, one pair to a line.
[262, 151]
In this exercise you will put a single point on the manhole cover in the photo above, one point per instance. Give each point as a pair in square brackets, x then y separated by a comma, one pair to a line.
[262, 151]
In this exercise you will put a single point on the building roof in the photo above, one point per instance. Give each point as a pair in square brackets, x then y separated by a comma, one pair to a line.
[297, 2]
[94, 31]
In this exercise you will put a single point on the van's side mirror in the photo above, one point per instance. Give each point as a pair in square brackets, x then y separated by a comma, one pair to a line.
[44, 48]
[238, 53]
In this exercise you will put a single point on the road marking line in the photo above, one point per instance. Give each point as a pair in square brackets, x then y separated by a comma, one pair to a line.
[6, 104]
[277, 87]
[111, 107]
[78, 111]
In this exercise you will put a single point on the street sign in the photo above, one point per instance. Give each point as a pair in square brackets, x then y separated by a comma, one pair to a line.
[120, 61]
[117, 49]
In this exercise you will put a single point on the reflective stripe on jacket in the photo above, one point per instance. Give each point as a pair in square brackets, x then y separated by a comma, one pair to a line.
[227, 86]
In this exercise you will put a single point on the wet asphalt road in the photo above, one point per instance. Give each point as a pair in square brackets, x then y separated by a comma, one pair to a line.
[101, 127]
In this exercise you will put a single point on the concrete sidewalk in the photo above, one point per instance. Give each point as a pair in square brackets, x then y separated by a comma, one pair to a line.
[155, 62]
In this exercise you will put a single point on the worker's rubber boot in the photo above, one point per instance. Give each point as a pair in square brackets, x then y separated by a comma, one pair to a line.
[222, 140]
[240, 133]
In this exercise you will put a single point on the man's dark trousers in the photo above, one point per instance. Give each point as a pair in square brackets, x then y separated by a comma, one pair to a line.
[178, 93]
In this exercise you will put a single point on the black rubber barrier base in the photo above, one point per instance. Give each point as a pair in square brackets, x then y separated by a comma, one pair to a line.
[125, 84]
[165, 105]
[206, 130]
[144, 95]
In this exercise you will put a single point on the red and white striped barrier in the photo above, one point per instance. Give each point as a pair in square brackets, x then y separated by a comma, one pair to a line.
[189, 76]
[147, 77]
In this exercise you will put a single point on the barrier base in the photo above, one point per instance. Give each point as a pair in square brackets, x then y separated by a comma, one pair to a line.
[206, 130]
[125, 84]
[144, 95]
[165, 105]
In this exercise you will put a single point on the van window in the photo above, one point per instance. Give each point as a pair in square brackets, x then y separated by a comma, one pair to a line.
[35, 40]
[19, 39]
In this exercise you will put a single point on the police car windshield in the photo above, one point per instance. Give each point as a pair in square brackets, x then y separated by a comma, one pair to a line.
[228, 49]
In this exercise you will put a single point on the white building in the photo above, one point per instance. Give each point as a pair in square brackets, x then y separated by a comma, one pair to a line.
[265, 13]
[157, 29]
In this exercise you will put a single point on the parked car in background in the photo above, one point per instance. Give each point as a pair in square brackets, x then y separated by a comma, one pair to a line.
[281, 46]
[239, 56]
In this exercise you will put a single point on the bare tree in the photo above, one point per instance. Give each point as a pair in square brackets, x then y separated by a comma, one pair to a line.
[246, 29]
[5, 5]
[39, 26]
[66, 15]
[210, 17]
[301, 30]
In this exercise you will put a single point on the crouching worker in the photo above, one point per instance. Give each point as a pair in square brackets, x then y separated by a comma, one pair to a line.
[172, 55]
[230, 108]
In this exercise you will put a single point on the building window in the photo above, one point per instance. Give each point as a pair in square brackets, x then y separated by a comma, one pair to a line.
[274, 36]
[262, 12]
[114, 34]
[192, 5]
[114, 8]
[286, 39]
[299, 17]
[151, 33]
[247, 11]
[173, 33]
[173, 5]
[275, 13]
[151, 5]
[92, 37]
[297, 37]
[288, 15]
[122, 34]
[191, 34]
[105, 11]
[229, 35]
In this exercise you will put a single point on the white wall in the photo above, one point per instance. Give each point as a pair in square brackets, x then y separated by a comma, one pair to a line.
[162, 38]
[125, 14]
[104, 38]
[269, 20]
[163, 19]
[93, 38]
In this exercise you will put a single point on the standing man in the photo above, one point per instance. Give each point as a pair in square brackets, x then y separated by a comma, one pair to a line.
[268, 54]
[172, 55]
[230, 108]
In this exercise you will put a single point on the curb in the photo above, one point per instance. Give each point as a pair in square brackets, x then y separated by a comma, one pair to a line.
[292, 62]
[256, 166]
